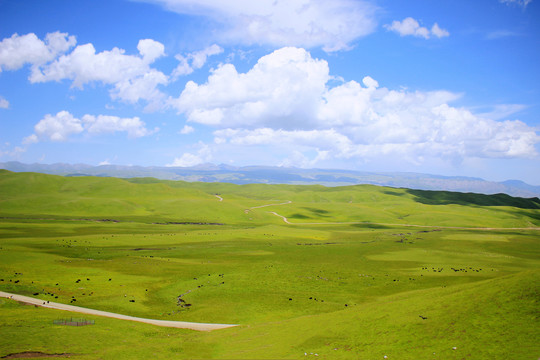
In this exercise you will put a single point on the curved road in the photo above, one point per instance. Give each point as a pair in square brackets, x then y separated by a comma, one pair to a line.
[164, 323]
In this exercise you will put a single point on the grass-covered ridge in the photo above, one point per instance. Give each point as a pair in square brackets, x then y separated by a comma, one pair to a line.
[348, 278]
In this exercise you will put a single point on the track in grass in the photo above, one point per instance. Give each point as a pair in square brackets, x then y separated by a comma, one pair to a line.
[78, 309]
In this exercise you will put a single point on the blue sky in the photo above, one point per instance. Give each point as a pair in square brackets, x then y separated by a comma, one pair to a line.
[441, 87]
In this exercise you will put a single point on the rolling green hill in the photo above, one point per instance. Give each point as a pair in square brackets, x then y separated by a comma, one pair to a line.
[355, 272]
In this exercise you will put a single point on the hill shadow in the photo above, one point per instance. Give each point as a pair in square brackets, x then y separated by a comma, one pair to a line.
[430, 197]
[393, 193]
[371, 226]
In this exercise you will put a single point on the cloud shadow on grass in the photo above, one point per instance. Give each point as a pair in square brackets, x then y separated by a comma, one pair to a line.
[429, 197]
[372, 226]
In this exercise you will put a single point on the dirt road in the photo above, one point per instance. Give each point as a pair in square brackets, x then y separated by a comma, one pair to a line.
[81, 310]
[397, 225]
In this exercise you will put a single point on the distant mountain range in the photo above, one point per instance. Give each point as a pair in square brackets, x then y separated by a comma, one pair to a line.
[286, 175]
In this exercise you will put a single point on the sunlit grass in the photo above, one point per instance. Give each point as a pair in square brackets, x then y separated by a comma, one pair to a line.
[354, 291]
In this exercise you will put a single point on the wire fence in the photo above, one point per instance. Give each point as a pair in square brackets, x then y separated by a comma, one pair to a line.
[73, 322]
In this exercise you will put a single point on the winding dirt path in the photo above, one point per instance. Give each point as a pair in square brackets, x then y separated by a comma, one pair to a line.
[81, 310]
[261, 206]
[281, 216]
[387, 224]
[219, 197]
[407, 225]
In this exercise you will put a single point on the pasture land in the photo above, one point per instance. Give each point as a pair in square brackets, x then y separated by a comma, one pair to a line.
[359, 272]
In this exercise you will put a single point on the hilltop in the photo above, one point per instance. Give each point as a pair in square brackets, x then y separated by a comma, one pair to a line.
[150, 199]
[286, 175]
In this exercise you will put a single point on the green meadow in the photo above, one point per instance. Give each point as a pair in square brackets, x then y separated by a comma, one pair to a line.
[357, 272]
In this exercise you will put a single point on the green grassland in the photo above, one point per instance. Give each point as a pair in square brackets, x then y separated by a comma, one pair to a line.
[360, 272]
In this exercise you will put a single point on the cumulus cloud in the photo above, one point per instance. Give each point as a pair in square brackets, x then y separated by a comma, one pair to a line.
[333, 25]
[438, 32]
[194, 60]
[4, 104]
[187, 130]
[131, 76]
[285, 100]
[203, 155]
[411, 27]
[282, 89]
[103, 124]
[145, 86]
[61, 126]
[18, 50]
[56, 127]
[150, 50]
[327, 138]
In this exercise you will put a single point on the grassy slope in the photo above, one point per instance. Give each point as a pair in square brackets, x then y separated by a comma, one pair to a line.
[249, 269]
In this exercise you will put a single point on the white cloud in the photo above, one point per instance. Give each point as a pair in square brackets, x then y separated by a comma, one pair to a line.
[4, 104]
[325, 139]
[197, 59]
[408, 26]
[522, 3]
[411, 27]
[56, 127]
[183, 68]
[19, 50]
[369, 82]
[299, 159]
[141, 87]
[61, 126]
[15, 153]
[502, 111]
[150, 50]
[282, 88]
[334, 25]
[132, 77]
[103, 124]
[30, 139]
[203, 155]
[500, 34]
[285, 101]
[438, 32]
[187, 130]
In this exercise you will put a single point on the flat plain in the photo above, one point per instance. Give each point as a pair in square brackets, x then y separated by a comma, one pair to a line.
[355, 272]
